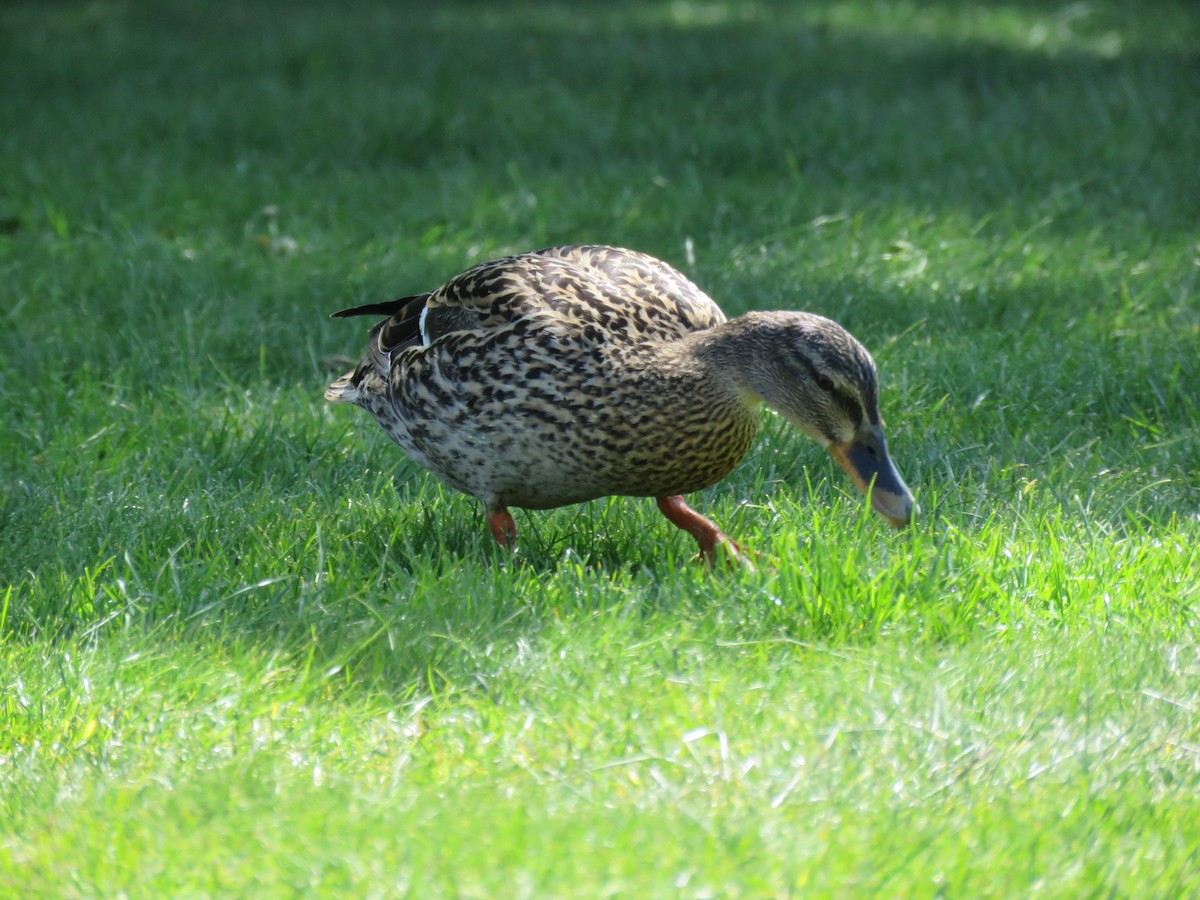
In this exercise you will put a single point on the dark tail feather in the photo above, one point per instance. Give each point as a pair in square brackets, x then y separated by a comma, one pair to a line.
[387, 308]
[401, 328]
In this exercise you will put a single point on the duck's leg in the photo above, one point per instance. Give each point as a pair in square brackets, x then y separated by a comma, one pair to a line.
[504, 529]
[705, 531]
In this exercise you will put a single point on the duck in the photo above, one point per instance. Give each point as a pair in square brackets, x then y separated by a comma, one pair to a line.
[562, 375]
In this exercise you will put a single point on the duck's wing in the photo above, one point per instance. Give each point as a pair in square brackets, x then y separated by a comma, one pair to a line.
[599, 293]
[625, 294]
[412, 321]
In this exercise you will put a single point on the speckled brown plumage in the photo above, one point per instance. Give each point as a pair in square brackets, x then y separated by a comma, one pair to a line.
[572, 373]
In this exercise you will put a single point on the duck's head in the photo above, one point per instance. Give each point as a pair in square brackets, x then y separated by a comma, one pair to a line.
[814, 372]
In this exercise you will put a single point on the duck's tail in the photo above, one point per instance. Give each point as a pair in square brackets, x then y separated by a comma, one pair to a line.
[343, 390]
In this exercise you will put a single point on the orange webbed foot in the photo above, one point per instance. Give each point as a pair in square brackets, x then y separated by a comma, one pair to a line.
[706, 533]
[504, 529]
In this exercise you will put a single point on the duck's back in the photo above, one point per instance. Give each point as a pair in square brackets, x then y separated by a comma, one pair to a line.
[625, 294]
[534, 380]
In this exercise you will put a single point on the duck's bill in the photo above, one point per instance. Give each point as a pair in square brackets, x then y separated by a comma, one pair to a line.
[869, 466]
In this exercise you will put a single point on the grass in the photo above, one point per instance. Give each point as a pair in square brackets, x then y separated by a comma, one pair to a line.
[248, 649]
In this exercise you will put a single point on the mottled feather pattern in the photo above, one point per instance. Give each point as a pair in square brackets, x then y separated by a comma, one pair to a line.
[631, 295]
[548, 400]
[553, 406]
[571, 373]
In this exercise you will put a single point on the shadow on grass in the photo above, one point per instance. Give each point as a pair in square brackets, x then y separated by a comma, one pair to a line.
[183, 117]
[952, 107]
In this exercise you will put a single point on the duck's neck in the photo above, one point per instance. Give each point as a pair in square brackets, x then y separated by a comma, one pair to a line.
[804, 366]
[739, 353]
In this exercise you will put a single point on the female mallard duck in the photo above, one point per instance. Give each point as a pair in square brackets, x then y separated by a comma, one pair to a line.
[572, 373]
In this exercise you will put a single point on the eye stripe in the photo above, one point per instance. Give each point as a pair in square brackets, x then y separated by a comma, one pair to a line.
[851, 406]
[845, 401]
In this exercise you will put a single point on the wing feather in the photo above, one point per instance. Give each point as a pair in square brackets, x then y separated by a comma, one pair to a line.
[596, 292]
[628, 294]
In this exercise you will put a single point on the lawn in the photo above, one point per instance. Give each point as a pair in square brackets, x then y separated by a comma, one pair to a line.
[248, 649]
